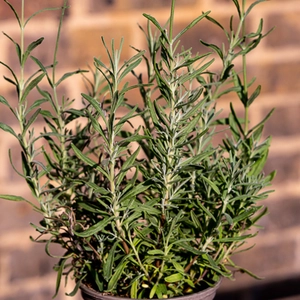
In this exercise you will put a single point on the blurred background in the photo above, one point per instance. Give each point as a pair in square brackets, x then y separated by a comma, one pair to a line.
[25, 271]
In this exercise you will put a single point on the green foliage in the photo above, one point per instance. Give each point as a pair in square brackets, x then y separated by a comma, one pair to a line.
[155, 210]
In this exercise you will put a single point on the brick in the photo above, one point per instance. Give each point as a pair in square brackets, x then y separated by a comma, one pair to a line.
[32, 262]
[279, 218]
[265, 259]
[160, 4]
[96, 6]
[10, 174]
[6, 115]
[31, 6]
[85, 44]
[40, 293]
[286, 171]
[205, 31]
[285, 289]
[102, 5]
[277, 77]
[20, 212]
[284, 121]
[287, 32]
[44, 52]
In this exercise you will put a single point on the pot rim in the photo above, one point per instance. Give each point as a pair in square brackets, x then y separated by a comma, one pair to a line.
[91, 292]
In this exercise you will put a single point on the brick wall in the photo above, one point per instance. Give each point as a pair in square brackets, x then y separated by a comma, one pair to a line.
[25, 271]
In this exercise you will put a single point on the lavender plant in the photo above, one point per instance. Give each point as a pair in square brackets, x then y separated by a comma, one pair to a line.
[155, 210]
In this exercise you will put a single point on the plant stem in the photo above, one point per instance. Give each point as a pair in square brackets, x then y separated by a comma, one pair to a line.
[59, 110]
[244, 63]
[22, 51]
[138, 257]
[58, 39]
[171, 21]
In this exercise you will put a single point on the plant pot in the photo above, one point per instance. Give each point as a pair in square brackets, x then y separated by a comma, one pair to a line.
[207, 294]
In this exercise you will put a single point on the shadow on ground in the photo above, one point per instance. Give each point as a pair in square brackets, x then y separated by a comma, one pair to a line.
[280, 290]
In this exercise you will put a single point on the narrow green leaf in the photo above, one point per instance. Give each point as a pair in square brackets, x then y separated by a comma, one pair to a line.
[130, 220]
[4, 101]
[211, 184]
[96, 228]
[43, 69]
[225, 74]
[259, 164]
[98, 127]
[16, 82]
[261, 123]
[138, 189]
[214, 47]
[244, 215]
[31, 85]
[153, 291]
[76, 287]
[128, 164]
[237, 5]
[254, 96]
[214, 21]
[11, 162]
[91, 208]
[60, 270]
[36, 104]
[182, 244]
[126, 118]
[17, 46]
[31, 121]
[162, 117]
[174, 278]
[190, 61]
[235, 123]
[228, 218]
[206, 211]
[195, 220]
[179, 268]
[252, 6]
[12, 198]
[97, 189]
[157, 25]
[134, 289]
[240, 92]
[148, 209]
[31, 47]
[197, 73]
[14, 11]
[8, 129]
[108, 264]
[156, 252]
[116, 276]
[129, 68]
[97, 106]
[234, 239]
[259, 30]
[227, 91]
[12, 82]
[258, 216]
[40, 11]
[88, 161]
[161, 290]
[192, 24]
[69, 74]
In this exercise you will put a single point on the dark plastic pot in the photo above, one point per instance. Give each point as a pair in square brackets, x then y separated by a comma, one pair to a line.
[208, 294]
